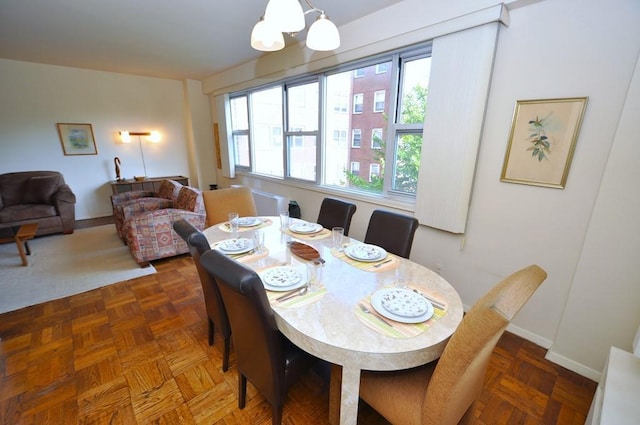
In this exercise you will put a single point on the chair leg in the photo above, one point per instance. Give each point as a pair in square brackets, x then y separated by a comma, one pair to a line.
[211, 329]
[276, 415]
[468, 418]
[225, 356]
[242, 390]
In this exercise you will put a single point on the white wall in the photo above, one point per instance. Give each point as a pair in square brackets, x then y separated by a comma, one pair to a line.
[551, 49]
[34, 97]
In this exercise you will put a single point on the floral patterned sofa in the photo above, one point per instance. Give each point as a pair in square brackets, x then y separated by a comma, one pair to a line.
[148, 228]
[144, 201]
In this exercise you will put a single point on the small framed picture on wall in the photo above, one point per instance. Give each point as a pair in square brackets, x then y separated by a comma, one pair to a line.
[77, 139]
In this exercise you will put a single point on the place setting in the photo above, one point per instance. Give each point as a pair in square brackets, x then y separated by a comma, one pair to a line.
[243, 248]
[293, 286]
[243, 224]
[306, 230]
[366, 257]
[398, 312]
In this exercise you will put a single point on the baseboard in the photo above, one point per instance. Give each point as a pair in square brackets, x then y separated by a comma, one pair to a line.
[92, 222]
[529, 336]
[573, 366]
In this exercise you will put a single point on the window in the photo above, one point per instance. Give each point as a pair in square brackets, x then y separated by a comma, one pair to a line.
[374, 172]
[315, 120]
[356, 138]
[340, 137]
[358, 103]
[376, 138]
[381, 68]
[378, 101]
[355, 168]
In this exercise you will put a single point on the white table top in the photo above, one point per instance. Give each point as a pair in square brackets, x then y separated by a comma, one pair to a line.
[329, 328]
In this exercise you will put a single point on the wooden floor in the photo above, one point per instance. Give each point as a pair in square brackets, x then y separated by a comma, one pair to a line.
[136, 353]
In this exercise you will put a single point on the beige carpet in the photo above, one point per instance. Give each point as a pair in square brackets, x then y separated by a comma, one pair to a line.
[62, 265]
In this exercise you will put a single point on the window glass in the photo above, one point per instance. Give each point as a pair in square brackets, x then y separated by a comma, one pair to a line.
[303, 135]
[240, 131]
[410, 121]
[356, 138]
[266, 120]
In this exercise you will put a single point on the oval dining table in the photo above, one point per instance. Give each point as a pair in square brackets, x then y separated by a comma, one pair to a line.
[329, 322]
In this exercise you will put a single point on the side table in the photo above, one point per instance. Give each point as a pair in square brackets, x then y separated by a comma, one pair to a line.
[21, 234]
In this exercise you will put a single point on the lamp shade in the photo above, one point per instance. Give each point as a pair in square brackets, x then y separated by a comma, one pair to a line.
[266, 38]
[125, 137]
[285, 15]
[323, 35]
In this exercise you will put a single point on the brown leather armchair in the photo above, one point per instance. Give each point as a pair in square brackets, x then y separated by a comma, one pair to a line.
[216, 312]
[336, 213]
[391, 231]
[264, 356]
[444, 392]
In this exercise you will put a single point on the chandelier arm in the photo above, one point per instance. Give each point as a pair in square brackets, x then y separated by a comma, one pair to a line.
[313, 8]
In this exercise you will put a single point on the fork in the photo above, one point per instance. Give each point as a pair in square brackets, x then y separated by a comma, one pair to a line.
[367, 311]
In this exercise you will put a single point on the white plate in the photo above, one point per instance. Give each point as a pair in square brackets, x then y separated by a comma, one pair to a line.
[235, 246]
[365, 252]
[283, 278]
[305, 227]
[394, 298]
[248, 221]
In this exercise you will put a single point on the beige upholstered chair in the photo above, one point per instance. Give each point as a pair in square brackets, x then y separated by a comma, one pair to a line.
[219, 203]
[444, 392]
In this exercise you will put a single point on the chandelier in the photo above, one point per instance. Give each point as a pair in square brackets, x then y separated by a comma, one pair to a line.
[287, 16]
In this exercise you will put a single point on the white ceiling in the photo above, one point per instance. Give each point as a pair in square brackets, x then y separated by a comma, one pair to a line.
[180, 39]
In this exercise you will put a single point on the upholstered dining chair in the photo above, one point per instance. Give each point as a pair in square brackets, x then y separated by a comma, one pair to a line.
[392, 231]
[219, 203]
[216, 313]
[264, 356]
[444, 392]
[336, 213]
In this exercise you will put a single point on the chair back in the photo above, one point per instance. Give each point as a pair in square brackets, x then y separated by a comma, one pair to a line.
[336, 213]
[459, 374]
[392, 231]
[214, 305]
[256, 338]
[219, 203]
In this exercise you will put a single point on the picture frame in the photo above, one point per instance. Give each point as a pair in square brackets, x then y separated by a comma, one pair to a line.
[542, 141]
[77, 139]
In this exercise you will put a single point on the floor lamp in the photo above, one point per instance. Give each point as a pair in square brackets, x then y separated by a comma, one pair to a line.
[154, 137]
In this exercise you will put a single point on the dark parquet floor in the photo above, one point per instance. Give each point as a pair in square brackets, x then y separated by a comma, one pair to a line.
[136, 352]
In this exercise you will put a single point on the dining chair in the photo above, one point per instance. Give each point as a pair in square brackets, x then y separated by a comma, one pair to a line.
[444, 392]
[336, 213]
[216, 312]
[264, 356]
[219, 203]
[392, 231]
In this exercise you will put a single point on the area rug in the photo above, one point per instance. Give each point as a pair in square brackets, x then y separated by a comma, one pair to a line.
[63, 265]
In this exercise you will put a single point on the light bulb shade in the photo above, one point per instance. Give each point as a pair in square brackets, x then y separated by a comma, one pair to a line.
[125, 137]
[266, 38]
[285, 15]
[323, 35]
[154, 137]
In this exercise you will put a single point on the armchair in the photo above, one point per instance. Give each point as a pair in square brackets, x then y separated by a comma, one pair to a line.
[149, 233]
[164, 198]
